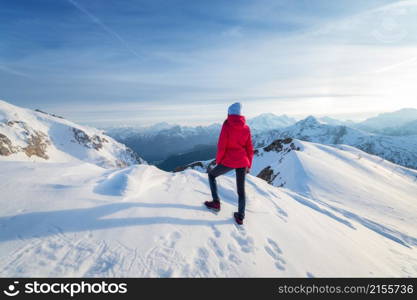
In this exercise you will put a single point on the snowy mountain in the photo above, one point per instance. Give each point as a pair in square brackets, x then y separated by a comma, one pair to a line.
[262, 122]
[124, 132]
[156, 146]
[400, 150]
[268, 121]
[332, 121]
[160, 141]
[27, 135]
[389, 120]
[201, 152]
[409, 128]
[354, 213]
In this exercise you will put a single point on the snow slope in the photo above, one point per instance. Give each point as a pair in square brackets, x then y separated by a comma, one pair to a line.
[28, 135]
[378, 194]
[401, 150]
[340, 212]
[77, 219]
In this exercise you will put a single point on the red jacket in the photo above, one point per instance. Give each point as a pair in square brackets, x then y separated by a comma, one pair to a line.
[235, 149]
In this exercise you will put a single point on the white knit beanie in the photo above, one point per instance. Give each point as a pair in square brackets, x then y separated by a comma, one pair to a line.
[235, 109]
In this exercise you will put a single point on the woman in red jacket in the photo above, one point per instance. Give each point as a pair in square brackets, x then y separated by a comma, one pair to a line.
[234, 151]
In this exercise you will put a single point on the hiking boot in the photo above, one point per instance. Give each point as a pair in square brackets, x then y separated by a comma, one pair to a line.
[213, 205]
[238, 218]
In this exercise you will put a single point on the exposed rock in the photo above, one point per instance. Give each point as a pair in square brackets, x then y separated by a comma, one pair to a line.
[37, 142]
[37, 145]
[278, 145]
[11, 123]
[53, 115]
[132, 154]
[267, 174]
[6, 147]
[190, 166]
[120, 164]
[283, 147]
[94, 142]
[197, 164]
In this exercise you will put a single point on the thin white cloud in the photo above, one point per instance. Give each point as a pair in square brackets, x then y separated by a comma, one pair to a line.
[400, 64]
[106, 28]
[13, 71]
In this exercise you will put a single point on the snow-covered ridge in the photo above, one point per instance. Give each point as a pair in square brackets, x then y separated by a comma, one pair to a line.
[38, 136]
[343, 179]
[401, 150]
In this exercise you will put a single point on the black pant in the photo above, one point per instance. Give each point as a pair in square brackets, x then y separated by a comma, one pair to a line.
[240, 183]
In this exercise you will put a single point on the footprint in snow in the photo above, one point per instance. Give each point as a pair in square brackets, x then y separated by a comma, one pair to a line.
[232, 255]
[275, 252]
[216, 232]
[200, 261]
[163, 259]
[216, 248]
[173, 239]
[245, 242]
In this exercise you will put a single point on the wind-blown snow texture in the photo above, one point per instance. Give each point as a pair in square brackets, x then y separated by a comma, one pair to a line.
[28, 135]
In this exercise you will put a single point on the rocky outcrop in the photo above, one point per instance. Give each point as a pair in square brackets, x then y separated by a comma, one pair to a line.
[271, 172]
[93, 142]
[279, 145]
[49, 114]
[12, 123]
[6, 147]
[38, 143]
[190, 166]
[207, 166]
[267, 174]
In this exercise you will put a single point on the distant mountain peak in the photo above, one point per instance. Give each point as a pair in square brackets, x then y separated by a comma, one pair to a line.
[265, 115]
[309, 121]
[406, 110]
[390, 119]
[269, 121]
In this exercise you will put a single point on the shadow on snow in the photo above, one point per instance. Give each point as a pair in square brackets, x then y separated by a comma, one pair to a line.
[38, 224]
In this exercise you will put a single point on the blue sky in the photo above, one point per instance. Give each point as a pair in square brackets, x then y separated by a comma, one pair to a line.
[140, 62]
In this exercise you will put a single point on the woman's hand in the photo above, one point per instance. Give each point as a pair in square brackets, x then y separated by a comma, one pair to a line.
[247, 170]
